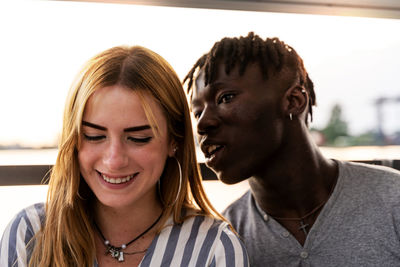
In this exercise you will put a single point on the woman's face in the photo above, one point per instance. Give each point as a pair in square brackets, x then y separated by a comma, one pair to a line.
[120, 157]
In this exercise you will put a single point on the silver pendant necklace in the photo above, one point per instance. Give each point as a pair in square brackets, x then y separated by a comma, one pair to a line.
[116, 252]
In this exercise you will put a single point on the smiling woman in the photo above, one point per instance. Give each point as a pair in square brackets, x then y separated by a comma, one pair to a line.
[118, 149]
[44, 42]
[125, 187]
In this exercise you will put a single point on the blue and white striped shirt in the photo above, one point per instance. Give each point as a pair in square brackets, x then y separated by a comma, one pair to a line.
[199, 241]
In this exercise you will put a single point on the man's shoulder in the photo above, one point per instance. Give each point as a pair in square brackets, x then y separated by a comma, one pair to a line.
[239, 207]
[375, 173]
[367, 168]
[380, 180]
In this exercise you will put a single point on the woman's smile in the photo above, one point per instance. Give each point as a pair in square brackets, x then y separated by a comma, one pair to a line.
[123, 154]
[117, 179]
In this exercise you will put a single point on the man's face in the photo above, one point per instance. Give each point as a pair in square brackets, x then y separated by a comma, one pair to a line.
[239, 122]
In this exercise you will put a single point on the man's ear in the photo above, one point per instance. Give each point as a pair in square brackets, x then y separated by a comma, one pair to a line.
[295, 101]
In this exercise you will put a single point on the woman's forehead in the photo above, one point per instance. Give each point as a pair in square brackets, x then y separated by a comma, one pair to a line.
[124, 104]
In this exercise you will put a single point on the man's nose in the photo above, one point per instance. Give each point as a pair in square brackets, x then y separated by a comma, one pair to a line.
[208, 121]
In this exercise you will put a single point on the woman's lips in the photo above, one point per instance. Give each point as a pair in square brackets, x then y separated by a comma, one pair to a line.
[117, 180]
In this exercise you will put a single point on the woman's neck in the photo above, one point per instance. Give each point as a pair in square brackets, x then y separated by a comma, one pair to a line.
[122, 224]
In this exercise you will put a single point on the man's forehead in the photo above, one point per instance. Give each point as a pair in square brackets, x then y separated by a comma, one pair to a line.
[218, 73]
[198, 86]
[200, 79]
[253, 72]
[220, 79]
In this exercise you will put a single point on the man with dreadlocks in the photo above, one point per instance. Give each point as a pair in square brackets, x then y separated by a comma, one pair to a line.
[252, 99]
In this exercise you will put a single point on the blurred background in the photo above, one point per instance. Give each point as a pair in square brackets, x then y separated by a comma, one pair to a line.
[351, 52]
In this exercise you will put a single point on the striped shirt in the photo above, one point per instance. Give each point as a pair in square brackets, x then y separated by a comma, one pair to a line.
[199, 241]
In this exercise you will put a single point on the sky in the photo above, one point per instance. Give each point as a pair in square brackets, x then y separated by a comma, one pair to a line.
[352, 61]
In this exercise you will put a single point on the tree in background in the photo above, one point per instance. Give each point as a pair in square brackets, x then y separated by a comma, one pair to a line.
[336, 131]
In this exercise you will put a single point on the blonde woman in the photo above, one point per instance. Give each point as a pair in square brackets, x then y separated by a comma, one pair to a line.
[125, 189]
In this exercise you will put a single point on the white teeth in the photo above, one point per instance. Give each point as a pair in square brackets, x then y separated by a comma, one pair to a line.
[117, 180]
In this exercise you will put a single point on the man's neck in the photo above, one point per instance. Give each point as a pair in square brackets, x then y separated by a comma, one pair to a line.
[296, 185]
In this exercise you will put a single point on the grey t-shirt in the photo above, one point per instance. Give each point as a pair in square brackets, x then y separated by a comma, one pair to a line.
[358, 226]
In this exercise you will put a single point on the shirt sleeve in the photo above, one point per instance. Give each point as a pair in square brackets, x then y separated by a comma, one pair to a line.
[15, 246]
[230, 250]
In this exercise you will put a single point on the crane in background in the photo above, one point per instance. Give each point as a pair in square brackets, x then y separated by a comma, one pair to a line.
[379, 104]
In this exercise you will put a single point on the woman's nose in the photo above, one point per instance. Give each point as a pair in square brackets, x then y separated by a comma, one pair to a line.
[116, 158]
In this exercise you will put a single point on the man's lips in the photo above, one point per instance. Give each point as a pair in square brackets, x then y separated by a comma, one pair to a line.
[210, 149]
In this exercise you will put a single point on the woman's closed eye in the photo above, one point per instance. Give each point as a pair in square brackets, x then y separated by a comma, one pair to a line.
[140, 140]
[93, 137]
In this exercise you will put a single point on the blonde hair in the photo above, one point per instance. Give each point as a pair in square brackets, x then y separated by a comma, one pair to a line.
[67, 236]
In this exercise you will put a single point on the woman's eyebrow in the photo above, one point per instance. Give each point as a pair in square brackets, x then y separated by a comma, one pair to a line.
[130, 129]
[137, 128]
[92, 125]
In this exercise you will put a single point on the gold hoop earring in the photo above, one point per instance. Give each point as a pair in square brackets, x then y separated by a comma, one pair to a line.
[179, 188]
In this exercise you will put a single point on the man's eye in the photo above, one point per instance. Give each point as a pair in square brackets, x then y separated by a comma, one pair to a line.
[196, 115]
[141, 140]
[225, 98]
[93, 137]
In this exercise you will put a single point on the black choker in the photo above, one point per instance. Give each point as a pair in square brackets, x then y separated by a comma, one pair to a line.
[116, 252]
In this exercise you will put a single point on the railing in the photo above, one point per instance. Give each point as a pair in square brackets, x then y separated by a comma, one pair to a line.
[37, 174]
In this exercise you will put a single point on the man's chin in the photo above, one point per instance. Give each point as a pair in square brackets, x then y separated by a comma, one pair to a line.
[227, 178]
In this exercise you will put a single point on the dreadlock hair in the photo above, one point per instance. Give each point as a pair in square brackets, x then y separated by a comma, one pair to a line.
[270, 54]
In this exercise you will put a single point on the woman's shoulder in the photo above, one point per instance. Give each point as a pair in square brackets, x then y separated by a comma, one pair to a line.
[203, 224]
[225, 247]
[19, 232]
[31, 218]
[32, 215]
[200, 240]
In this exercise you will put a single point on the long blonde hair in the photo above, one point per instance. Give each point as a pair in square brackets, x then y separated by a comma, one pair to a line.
[67, 236]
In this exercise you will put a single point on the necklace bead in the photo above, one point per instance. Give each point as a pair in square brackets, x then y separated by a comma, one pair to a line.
[116, 252]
